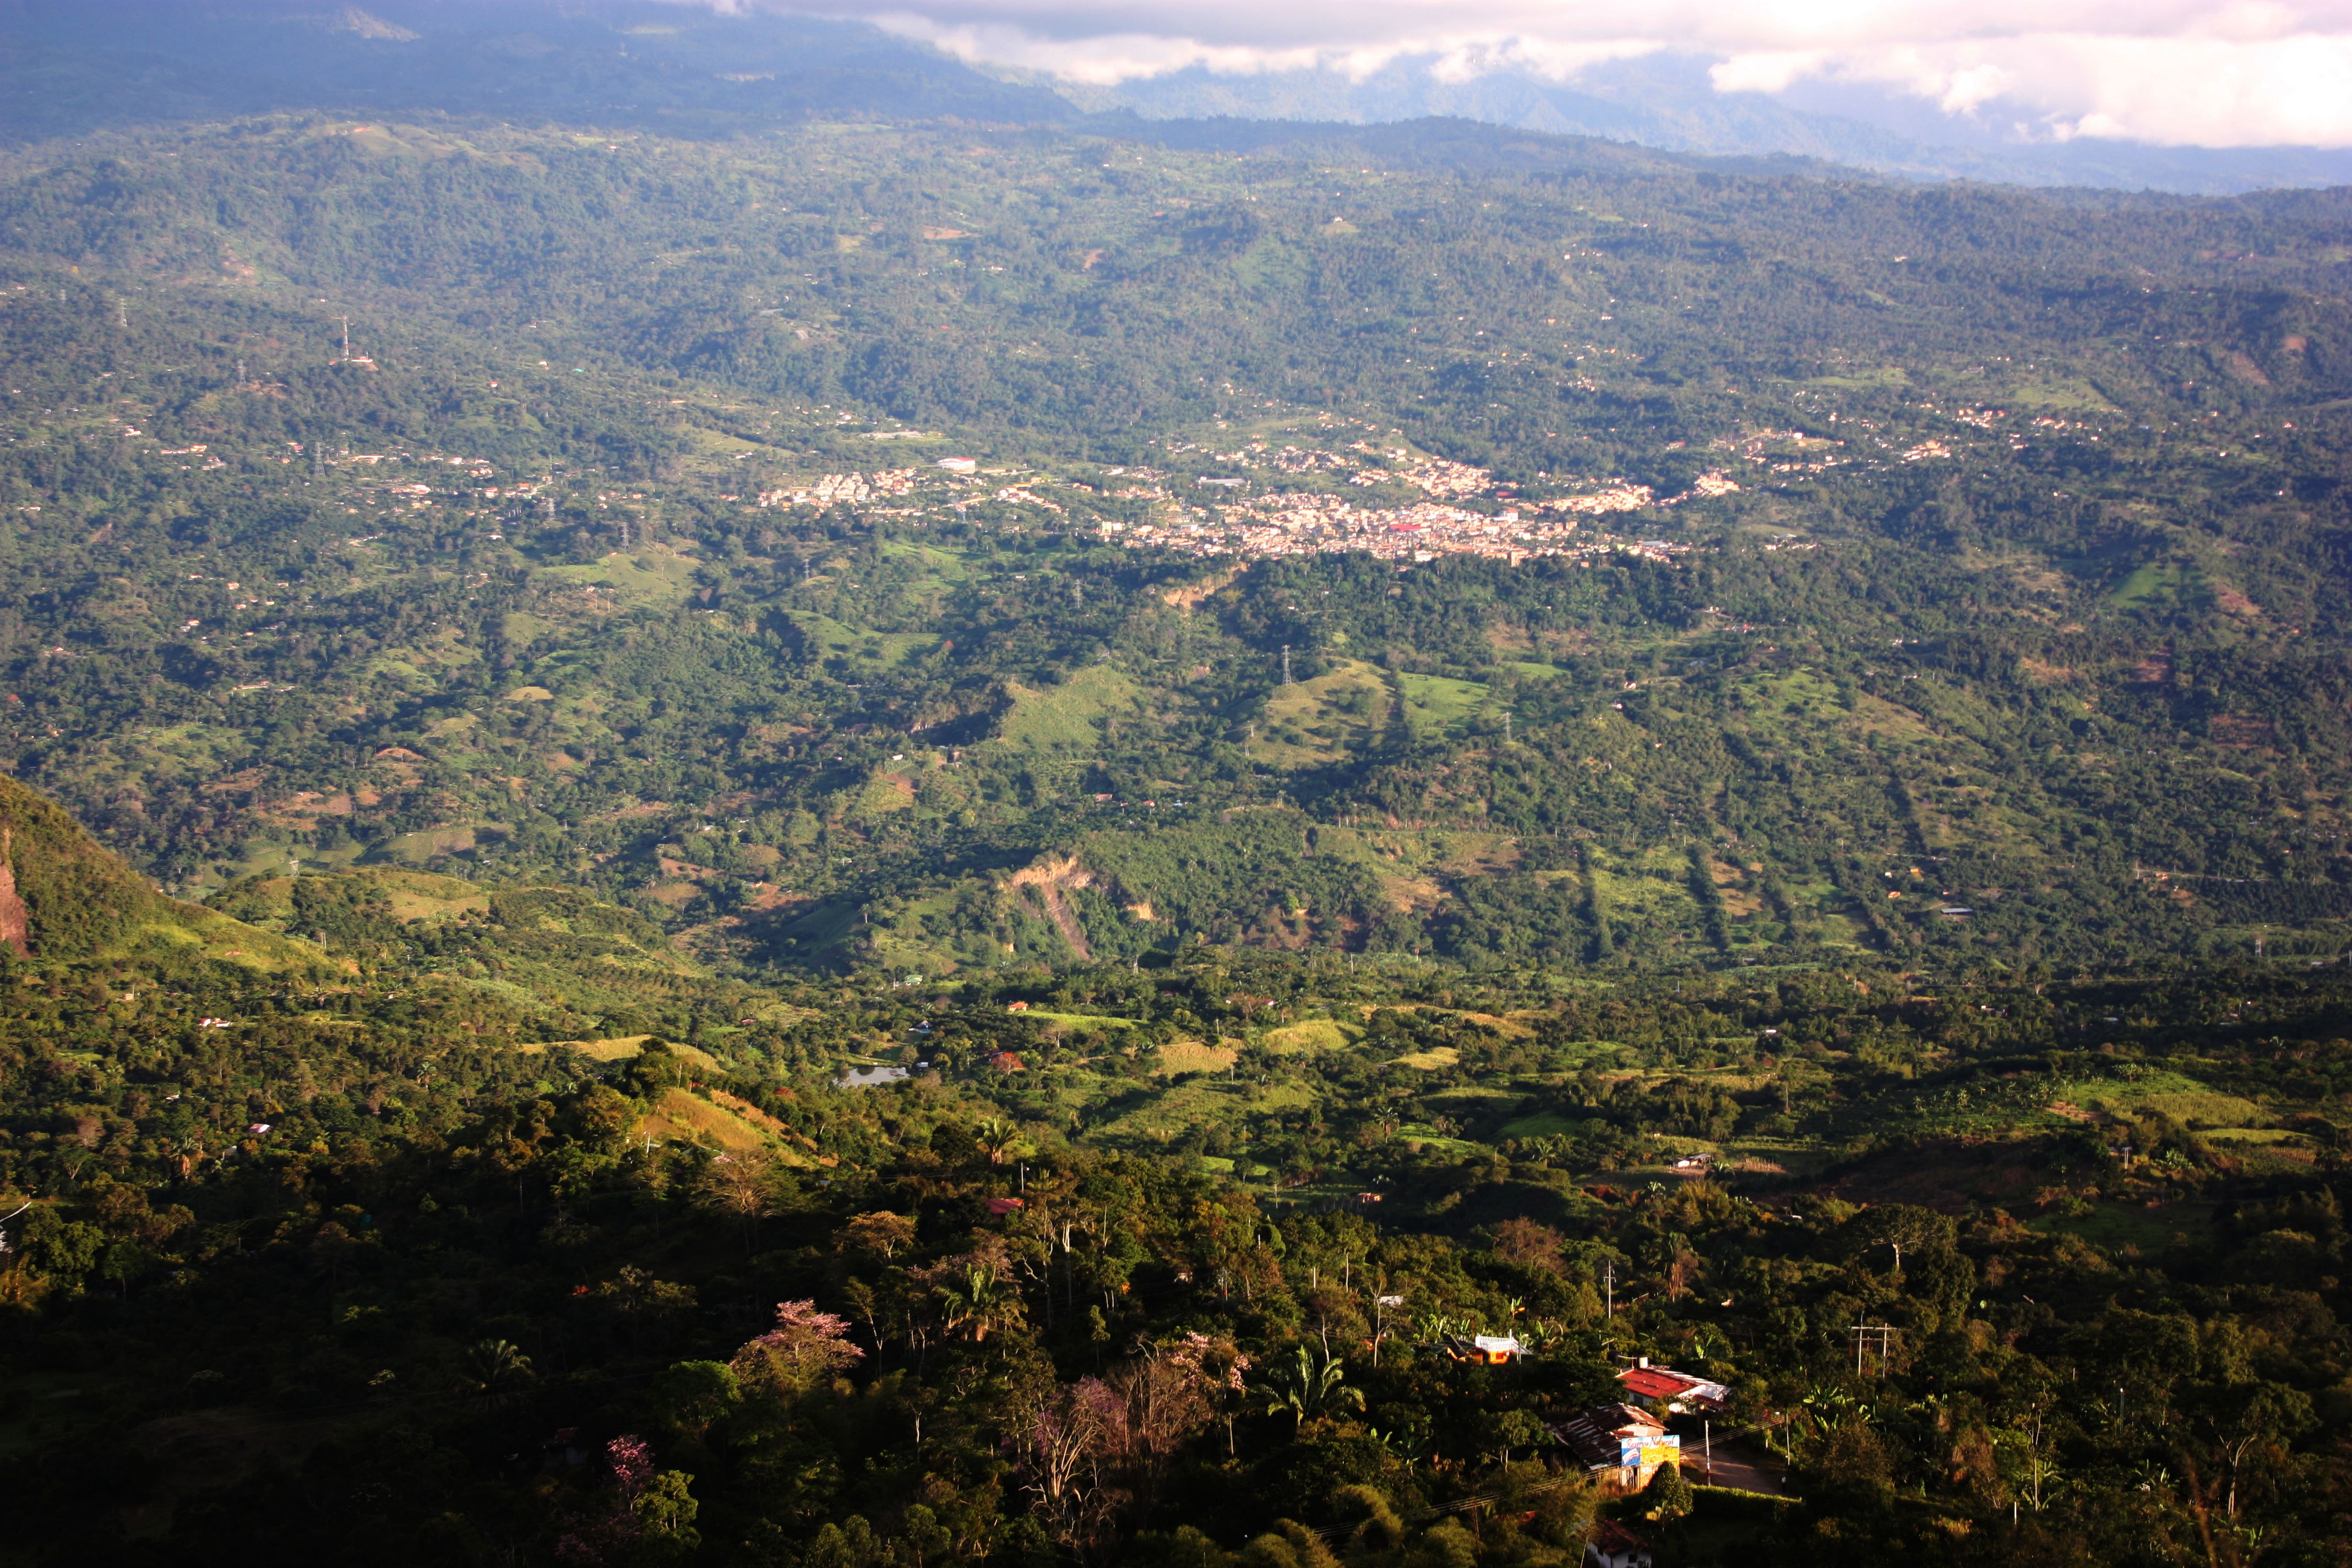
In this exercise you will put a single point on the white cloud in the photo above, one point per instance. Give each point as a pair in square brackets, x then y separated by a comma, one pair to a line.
[2205, 72]
[2195, 90]
[1767, 71]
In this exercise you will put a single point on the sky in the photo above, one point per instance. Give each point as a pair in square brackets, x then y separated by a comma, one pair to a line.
[2167, 72]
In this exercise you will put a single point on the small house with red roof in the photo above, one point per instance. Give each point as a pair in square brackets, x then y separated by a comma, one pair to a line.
[1680, 1390]
[1614, 1546]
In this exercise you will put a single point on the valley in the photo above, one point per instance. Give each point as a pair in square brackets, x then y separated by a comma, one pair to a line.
[839, 839]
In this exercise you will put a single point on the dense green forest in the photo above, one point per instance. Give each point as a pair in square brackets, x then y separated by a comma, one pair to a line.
[613, 549]
[346, 1257]
[745, 901]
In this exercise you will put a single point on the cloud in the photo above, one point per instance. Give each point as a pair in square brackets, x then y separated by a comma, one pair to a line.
[2183, 72]
[2194, 89]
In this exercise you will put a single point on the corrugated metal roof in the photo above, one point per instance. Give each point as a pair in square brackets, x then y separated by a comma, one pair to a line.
[1596, 1436]
[1665, 1383]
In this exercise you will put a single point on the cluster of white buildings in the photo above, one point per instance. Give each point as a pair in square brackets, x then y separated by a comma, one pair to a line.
[1325, 525]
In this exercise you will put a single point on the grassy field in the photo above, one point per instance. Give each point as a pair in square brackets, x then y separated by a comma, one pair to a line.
[1437, 705]
[879, 650]
[1068, 717]
[1317, 722]
[1315, 1035]
[623, 1048]
[656, 575]
[1178, 1057]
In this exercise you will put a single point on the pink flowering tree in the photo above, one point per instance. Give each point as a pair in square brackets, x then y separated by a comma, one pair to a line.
[805, 1348]
[647, 1515]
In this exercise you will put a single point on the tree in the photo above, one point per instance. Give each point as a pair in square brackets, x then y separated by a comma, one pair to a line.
[1309, 1389]
[1668, 1496]
[494, 1373]
[882, 1233]
[977, 1298]
[1063, 1447]
[1523, 1241]
[697, 1393]
[1900, 1228]
[806, 1345]
[648, 1515]
[743, 1186]
[996, 1138]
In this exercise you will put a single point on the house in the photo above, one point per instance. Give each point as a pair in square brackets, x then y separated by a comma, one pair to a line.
[1016, 1007]
[1003, 1206]
[1614, 1546]
[1486, 1350]
[1621, 1446]
[1681, 1390]
[1005, 1061]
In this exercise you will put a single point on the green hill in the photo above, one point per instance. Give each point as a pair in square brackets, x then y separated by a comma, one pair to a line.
[64, 897]
[1742, 567]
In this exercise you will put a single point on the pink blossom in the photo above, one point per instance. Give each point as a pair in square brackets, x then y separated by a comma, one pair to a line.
[805, 1340]
[631, 1458]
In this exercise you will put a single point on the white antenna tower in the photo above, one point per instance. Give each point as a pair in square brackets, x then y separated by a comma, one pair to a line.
[1285, 664]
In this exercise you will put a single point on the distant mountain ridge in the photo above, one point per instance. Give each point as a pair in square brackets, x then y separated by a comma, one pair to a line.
[1667, 102]
[67, 69]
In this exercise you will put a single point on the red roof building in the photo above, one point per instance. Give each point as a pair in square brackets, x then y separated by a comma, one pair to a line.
[1647, 1382]
[1614, 1546]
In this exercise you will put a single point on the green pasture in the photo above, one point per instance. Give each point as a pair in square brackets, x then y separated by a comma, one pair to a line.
[1068, 717]
[1438, 704]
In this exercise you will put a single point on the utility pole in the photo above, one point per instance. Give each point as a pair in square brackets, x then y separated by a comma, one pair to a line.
[1608, 1284]
[1862, 1333]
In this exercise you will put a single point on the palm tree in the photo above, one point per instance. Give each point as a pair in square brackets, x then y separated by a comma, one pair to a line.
[494, 1370]
[978, 1299]
[996, 1138]
[1309, 1389]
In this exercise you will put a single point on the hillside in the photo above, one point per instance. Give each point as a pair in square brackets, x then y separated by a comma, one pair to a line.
[1544, 552]
[68, 901]
[958, 843]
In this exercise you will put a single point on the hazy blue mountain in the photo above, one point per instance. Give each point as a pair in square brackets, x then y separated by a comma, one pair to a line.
[66, 69]
[1667, 102]
[70, 66]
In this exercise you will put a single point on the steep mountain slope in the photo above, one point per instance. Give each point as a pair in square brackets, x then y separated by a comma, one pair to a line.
[65, 897]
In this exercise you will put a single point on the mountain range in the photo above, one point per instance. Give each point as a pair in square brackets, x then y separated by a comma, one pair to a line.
[69, 67]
